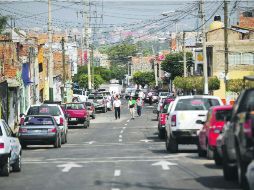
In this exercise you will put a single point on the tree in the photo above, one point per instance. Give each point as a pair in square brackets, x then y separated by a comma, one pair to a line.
[3, 23]
[173, 63]
[83, 81]
[143, 78]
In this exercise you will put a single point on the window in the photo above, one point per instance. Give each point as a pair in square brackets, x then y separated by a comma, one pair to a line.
[75, 106]
[222, 115]
[234, 58]
[38, 121]
[248, 58]
[7, 129]
[246, 101]
[40, 67]
[44, 110]
[196, 104]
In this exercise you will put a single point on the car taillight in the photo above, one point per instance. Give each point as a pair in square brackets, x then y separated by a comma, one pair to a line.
[22, 130]
[1, 145]
[173, 120]
[61, 121]
[52, 130]
[22, 120]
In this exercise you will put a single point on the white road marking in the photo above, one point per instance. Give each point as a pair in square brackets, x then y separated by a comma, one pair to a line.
[128, 121]
[146, 140]
[91, 142]
[164, 164]
[121, 131]
[115, 189]
[125, 124]
[120, 136]
[120, 140]
[67, 167]
[117, 173]
[124, 127]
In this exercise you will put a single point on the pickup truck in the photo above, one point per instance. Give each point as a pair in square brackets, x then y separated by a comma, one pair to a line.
[181, 127]
[77, 114]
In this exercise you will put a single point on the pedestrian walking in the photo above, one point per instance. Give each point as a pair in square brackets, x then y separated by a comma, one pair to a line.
[150, 96]
[117, 107]
[131, 105]
[140, 104]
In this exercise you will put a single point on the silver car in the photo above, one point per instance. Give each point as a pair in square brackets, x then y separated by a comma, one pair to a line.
[40, 129]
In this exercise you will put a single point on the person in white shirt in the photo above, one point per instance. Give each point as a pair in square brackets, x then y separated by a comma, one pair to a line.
[117, 107]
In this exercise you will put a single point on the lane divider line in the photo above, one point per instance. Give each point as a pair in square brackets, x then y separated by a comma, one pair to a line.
[121, 131]
[115, 189]
[120, 136]
[117, 173]
[124, 127]
[120, 140]
[125, 124]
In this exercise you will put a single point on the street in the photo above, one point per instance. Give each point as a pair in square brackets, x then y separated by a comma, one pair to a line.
[115, 155]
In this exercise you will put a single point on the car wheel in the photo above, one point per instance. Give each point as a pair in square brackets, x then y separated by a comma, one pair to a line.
[5, 170]
[104, 110]
[201, 152]
[63, 138]
[209, 152]
[93, 116]
[16, 167]
[171, 145]
[56, 142]
[66, 139]
[229, 172]
[161, 134]
[241, 170]
[23, 145]
[217, 158]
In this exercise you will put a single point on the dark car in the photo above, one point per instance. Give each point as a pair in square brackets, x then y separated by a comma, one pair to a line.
[40, 129]
[98, 101]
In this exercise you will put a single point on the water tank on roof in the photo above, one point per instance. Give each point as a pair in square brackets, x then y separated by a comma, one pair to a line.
[216, 24]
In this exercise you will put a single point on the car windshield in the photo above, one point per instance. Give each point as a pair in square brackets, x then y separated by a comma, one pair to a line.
[38, 121]
[77, 92]
[165, 108]
[44, 110]
[164, 94]
[88, 104]
[196, 104]
[222, 115]
[75, 106]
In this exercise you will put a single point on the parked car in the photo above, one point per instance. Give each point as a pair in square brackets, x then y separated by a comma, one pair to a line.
[91, 109]
[40, 129]
[181, 127]
[154, 96]
[210, 131]
[54, 110]
[79, 95]
[78, 114]
[163, 118]
[10, 150]
[243, 132]
[98, 101]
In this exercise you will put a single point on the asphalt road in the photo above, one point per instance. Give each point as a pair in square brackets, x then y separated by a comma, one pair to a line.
[115, 155]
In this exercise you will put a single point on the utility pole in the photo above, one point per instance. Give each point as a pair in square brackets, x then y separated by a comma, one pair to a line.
[64, 71]
[202, 11]
[184, 56]
[87, 42]
[226, 41]
[155, 68]
[92, 65]
[51, 64]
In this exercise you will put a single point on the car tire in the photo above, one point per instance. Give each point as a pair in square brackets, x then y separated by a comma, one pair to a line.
[217, 158]
[161, 134]
[93, 116]
[104, 110]
[5, 169]
[23, 145]
[56, 142]
[201, 152]
[229, 172]
[171, 145]
[16, 167]
[241, 170]
[209, 152]
[60, 141]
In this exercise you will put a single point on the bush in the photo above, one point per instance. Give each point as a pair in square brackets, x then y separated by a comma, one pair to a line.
[197, 83]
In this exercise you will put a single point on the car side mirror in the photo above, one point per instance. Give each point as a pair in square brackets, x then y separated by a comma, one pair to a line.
[200, 122]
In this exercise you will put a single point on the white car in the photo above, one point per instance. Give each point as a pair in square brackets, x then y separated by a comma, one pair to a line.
[53, 110]
[182, 126]
[80, 95]
[163, 95]
[10, 150]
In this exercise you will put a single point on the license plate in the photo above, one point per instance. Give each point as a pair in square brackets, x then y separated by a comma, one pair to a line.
[37, 131]
[73, 119]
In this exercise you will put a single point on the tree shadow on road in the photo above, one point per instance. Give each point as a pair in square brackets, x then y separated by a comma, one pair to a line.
[217, 182]
[137, 185]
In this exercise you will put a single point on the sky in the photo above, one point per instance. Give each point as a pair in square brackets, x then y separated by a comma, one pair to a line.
[126, 13]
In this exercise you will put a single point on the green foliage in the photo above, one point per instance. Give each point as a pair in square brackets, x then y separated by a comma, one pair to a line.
[3, 23]
[173, 63]
[143, 78]
[83, 81]
[191, 83]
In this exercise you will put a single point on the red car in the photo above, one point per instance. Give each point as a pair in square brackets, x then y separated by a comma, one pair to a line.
[163, 117]
[211, 129]
[77, 114]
